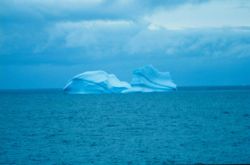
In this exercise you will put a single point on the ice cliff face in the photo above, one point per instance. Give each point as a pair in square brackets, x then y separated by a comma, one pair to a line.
[149, 79]
[94, 82]
[146, 79]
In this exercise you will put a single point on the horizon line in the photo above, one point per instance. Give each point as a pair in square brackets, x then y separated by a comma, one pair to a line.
[178, 87]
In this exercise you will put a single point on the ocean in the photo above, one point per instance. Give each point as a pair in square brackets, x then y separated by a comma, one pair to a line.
[189, 126]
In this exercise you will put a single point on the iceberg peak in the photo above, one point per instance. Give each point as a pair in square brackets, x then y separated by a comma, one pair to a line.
[94, 82]
[149, 79]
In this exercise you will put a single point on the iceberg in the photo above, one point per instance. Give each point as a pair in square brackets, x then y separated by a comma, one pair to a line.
[95, 82]
[145, 79]
[149, 79]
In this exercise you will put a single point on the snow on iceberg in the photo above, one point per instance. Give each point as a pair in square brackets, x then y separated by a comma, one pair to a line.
[145, 79]
[149, 79]
[94, 82]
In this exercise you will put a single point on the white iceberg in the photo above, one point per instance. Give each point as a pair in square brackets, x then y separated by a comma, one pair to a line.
[94, 82]
[149, 79]
[146, 79]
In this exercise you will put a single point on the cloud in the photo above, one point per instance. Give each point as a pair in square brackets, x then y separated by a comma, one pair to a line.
[69, 43]
[214, 14]
[72, 40]
[214, 43]
[113, 39]
[75, 10]
[97, 35]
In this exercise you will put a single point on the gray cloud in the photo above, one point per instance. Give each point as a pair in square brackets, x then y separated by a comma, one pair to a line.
[51, 10]
[217, 42]
[89, 41]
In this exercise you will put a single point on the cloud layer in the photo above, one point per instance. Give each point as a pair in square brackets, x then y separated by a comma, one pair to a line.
[51, 10]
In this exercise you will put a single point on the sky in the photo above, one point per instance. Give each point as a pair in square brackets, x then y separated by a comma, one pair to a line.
[43, 43]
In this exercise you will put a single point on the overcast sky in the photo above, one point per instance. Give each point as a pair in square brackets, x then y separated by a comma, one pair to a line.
[43, 43]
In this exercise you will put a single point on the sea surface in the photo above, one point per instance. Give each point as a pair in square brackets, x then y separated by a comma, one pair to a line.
[189, 126]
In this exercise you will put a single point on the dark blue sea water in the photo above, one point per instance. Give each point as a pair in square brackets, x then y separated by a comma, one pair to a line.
[187, 126]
